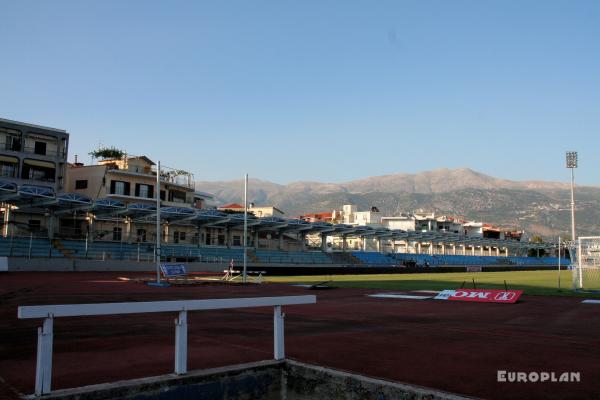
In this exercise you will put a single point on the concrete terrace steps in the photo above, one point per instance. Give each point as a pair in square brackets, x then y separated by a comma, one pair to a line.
[68, 253]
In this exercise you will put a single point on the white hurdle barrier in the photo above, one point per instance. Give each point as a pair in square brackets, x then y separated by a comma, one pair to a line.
[43, 372]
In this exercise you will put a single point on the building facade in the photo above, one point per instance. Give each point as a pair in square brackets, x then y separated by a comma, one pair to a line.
[33, 155]
[130, 180]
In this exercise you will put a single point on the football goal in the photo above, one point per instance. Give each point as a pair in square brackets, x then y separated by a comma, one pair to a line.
[585, 263]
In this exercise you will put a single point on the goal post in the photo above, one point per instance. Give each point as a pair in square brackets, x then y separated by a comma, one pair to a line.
[585, 263]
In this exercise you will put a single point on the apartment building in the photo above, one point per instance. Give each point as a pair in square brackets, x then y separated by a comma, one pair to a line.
[33, 155]
[129, 180]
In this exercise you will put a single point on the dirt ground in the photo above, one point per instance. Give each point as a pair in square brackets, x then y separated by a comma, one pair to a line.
[452, 346]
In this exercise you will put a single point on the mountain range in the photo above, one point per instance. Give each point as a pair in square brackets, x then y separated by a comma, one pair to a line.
[538, 207]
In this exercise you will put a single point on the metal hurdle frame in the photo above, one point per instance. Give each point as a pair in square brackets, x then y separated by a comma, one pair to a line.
[43, 372]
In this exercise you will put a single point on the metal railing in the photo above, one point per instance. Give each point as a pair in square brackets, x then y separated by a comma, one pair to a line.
[43, 371]
[46, 153]
[36, 244]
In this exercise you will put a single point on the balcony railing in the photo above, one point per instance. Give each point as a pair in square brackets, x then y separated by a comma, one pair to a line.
[47, 153]
[11, 145]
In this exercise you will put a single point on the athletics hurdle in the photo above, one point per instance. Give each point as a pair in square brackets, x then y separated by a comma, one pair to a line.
[43, 375]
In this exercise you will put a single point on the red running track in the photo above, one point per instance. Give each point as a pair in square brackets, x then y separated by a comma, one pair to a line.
[452, 346]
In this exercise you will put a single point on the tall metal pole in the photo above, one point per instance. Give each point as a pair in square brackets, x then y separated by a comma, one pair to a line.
[244, 275]
[573, 237]
[158, 230]
[572, 164]
[559, 263]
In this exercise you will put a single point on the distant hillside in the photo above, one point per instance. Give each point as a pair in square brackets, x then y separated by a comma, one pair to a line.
[538, 207]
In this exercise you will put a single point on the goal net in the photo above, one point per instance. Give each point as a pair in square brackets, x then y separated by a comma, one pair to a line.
[585, 263]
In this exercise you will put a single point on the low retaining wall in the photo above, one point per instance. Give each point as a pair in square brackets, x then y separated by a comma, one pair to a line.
[65, 264]
[267, 380]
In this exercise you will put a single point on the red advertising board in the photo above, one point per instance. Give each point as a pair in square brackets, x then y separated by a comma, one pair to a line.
[481, 295]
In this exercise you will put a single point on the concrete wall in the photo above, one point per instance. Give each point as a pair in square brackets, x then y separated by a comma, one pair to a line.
[39, 264]
[64, 264]
[307, 381]
[93, 174]
[259, 380]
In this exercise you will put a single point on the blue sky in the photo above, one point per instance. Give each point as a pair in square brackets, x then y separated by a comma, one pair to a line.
[313, 90]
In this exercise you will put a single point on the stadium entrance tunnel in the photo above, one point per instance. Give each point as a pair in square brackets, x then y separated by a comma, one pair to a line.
[265, 380]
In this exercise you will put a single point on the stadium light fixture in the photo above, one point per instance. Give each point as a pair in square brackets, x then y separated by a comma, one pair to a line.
[571, 159]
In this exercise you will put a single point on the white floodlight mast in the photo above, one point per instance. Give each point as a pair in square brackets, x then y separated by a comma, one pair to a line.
[244, 274]
[158, 230]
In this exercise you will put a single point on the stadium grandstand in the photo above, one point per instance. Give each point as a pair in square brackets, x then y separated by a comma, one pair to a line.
[272, 239]
[108, 211]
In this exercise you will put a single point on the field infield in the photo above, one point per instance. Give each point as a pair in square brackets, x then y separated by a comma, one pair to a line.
[545, 283]
[452, 346]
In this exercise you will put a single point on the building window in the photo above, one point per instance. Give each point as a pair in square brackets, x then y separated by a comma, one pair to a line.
[141, 235]
[81, 184]
[117, 234]
[178, 237]
[12, 139]
[13, 143]
[34, 225]
[176, 196]
[145, 191]
[119, 188]
[8, 170]
[38, 173]
[237, 240]
[40, 148]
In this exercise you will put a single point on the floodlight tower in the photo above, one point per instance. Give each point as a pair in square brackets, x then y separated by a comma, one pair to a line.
[572, 164]
[245, 241]
[158, 227]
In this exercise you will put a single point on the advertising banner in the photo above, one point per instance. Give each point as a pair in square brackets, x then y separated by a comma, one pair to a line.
[481, 295]
[173, 270]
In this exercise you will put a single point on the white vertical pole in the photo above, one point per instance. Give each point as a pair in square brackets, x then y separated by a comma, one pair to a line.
[573, 237]
[244, 274]
[573, 205]
[278, 337]
[43, 369]
[579, 266]
[158, 230]
[30, 243]
[559, 263]
[181, 343]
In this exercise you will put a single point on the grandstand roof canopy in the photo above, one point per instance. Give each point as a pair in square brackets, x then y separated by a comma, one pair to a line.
[43, 199]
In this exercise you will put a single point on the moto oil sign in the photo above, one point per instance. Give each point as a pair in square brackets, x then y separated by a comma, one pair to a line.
[480, 295]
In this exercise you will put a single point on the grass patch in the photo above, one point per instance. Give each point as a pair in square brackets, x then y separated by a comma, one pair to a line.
[532, 282]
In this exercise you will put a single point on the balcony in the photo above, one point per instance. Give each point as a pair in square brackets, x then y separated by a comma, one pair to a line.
[11, 145]
[44, 152]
